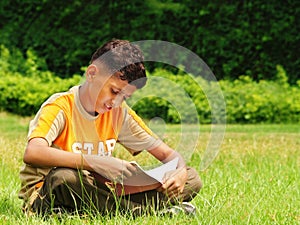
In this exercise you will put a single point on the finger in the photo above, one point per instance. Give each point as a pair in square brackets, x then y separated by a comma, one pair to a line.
[173, 189]
[131, 168]
[168, 183]
[125, 174]
[127, 166]
[173, 192]
[128, 170]
[174, 173]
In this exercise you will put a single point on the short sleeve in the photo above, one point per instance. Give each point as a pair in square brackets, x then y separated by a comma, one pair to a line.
[48, 123]
[135, 136]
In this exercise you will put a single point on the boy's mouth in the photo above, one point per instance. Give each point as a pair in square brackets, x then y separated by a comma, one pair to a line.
[108, 107]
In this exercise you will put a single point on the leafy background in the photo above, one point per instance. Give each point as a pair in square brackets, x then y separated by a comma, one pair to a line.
[251, 47]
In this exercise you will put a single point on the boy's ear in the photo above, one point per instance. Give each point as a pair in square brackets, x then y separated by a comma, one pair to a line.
[91, 72]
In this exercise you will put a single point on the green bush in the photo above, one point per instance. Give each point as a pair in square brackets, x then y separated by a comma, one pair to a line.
[23, 93]
[262, 102]
[176, 98]
[172, 98]
[247, 101]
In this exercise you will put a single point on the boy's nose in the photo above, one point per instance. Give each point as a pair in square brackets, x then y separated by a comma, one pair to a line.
[116, 101]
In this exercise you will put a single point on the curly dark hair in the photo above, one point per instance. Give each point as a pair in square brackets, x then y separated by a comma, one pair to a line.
[125, 57]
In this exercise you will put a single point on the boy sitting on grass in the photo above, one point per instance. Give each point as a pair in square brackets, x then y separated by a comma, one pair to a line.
[74, 133]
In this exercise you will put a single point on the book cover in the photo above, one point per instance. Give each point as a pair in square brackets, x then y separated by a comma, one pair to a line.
[143, 180]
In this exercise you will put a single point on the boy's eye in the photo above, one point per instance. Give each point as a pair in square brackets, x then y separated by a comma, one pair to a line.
[115, 92]
[119, 92]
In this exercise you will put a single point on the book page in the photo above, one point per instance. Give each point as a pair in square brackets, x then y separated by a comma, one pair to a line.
[148, 177]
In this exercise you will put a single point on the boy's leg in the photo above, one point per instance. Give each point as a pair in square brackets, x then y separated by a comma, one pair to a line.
[159, 200]
[192, 186]
[72, 190]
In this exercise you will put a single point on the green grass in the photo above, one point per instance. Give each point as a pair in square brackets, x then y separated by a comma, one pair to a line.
[254, 180]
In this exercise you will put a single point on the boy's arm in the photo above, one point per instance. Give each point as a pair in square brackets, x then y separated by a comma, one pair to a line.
[38, 153]
[174, 182]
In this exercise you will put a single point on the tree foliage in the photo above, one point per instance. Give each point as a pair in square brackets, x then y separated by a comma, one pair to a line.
[233, 37]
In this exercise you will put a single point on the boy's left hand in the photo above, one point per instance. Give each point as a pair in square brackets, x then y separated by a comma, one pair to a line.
[174, 182]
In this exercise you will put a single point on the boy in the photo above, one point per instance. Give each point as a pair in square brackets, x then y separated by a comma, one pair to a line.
[71, 139]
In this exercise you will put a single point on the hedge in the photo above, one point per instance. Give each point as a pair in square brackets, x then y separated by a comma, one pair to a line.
[246, 100]
[23, 93]
[176, 98]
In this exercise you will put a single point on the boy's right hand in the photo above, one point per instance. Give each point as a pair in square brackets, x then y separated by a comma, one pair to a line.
[111, 168]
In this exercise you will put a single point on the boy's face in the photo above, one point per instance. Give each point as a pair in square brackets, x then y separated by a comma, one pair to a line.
[108, 91]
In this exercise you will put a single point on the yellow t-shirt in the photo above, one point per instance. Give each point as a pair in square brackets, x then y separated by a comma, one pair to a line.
[64, 124]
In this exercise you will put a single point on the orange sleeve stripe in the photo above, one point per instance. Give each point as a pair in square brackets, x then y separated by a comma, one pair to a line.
[43, 126]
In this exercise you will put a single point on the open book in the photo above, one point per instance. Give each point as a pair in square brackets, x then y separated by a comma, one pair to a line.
[143, 180]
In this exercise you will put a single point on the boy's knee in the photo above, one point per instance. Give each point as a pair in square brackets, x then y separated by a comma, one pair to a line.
[193, 185]
[194, 182]
[59, 176]
[56, 190]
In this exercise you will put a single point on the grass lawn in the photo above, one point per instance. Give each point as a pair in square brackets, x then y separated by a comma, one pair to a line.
[255, 179]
